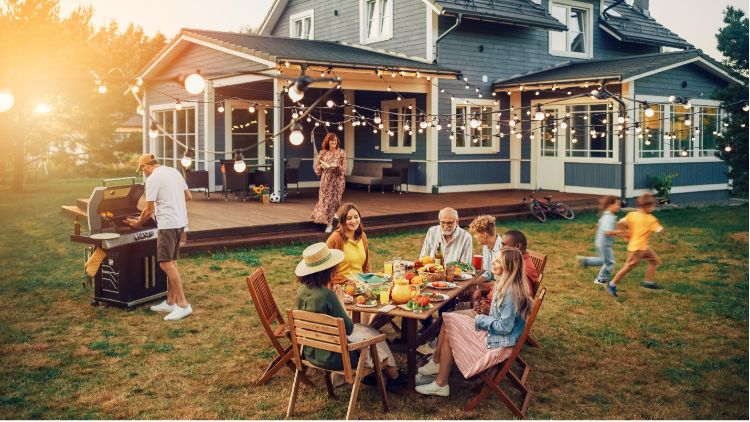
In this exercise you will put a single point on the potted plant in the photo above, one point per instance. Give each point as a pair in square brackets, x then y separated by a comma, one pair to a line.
[262, 193]
[662, 184]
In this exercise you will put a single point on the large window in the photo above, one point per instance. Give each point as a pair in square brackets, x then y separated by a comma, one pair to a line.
[693, 131]
[472, 127]
[708, 121]
[376, 20]
[301, 25]
[651, 136]
[180, 124]
[548, 139]
[399, 132]
[590, 131]
[577, 40]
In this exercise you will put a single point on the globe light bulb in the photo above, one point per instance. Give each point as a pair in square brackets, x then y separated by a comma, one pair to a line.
[423, 124]
[330, 103]
[377, 118]
[574, 140]
[539, 115]
[153, 131]
[220, 109]
[194, 83]
[746, 108]
[251, 109]
[6, 100]
[519, 135]
[240, 166]
[134, 89]
[102, 89]
[688, 122]
[474, 123]
[42, 108]
[407, 126]
[649, 112]
[683, 153]
[178, 105]
[512, 122]
[563, 125]
[340, 127]
[728, 148]
[620, 119]
[296, 137]
[672, 98]
[186, 161]
[295, 93]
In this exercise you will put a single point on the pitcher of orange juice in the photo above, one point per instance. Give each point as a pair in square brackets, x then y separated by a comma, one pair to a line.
[403, 291]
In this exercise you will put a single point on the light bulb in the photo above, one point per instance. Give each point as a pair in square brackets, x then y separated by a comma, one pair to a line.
[647, 142]
[178, 105]
[251, 109]
[531, 136]
[574, 140]
[539, 115]
[195, 83]
[512, 122]
[6, 100]
[672, 98]
[728, 148]
[102, 89]
[423, 124]
[295, 93]
[407, 126]
[377, 118]
[330, 103]
[474, 123]
[620, 119]
[220, 109]
[649, 112]
[688, 122]
[240, 166]
[519, 135]
[380, 125]
[746, 107]
[186, 161]
[683, 153]
[153, 131]
[563, 125]
[340, 127]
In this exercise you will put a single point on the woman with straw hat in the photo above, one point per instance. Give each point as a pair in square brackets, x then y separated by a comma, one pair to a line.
[314, 272]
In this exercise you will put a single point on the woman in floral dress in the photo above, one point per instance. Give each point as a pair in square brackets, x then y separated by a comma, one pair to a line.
[331, 166]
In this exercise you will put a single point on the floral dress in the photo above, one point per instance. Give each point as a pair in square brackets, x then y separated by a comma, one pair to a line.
[331, 185]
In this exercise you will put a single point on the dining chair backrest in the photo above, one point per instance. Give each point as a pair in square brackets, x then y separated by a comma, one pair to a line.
[540, 261]
[319, 331]
[268, 310]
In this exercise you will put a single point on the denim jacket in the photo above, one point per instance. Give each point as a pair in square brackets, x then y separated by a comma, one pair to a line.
[503, 325]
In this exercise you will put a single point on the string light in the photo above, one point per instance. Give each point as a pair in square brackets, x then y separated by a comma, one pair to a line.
[239, 162]
[377, 118]
[474, 122]
[251, 109]
[6, 100]
[153, 131]
[296, 137]
[102, 89]
[539, 115]
[194, 83]
[178, 105]
[728, 148]
[187, 159]
[297, 91]
[330, 103]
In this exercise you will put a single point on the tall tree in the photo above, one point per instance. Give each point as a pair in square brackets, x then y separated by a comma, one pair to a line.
[733, 149]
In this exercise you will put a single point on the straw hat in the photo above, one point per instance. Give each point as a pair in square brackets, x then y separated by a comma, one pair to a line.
[317, 257]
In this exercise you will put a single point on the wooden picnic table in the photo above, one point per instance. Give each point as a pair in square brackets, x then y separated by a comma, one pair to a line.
[409, 323]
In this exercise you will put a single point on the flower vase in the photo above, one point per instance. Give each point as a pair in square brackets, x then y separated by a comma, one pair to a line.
[266, 198]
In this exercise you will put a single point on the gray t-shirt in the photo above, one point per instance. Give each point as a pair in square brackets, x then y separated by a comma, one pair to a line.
[166, 188]
[607, 222]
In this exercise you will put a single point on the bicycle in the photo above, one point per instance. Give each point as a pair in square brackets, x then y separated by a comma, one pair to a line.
[540, 209]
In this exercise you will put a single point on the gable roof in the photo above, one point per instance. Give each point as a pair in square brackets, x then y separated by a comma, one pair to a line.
[633, 26]
[273, 51]
[623, 69]
[509, 12]
[273, 15]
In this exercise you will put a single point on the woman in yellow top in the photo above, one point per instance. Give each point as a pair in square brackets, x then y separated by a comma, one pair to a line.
[350, 238]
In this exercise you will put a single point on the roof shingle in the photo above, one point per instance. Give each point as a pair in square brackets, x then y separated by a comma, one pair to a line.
[633, 26]
[511, 12]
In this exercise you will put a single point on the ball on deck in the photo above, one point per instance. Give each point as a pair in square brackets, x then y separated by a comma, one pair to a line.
[275, 197]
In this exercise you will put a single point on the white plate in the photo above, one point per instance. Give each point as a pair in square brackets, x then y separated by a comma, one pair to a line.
[450, 285]
[104, 236]
[463, 277]
[368, 306]
[443, 297]
[406, 308]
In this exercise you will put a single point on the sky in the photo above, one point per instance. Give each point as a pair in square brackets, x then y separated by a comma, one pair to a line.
[694, 20]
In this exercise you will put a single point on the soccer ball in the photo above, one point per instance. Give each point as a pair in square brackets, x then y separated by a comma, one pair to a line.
[275, 197]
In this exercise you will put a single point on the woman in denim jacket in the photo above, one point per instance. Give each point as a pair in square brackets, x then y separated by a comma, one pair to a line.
[477, 342]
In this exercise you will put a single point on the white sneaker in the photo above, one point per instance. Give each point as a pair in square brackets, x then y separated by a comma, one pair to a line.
[163, 307]
[179, 313]
[432, 389]
[423, 379]
[329, 228]
[430, 368]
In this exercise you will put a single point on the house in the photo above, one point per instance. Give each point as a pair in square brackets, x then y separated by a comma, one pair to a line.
[568, 95]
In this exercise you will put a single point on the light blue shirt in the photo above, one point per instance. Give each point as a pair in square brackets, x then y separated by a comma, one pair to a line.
[489, 255]
[607, 222]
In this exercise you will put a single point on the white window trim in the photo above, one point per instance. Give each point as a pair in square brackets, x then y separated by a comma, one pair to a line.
[363, 25]
[385, 116]
[652, 99]
[301, 15]
[561, 153]
[228, 144]
[176, 148]
[589, 36]
[490, 104]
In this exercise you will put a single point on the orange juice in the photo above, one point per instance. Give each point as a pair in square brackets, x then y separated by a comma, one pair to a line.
[388, 268]
[385, 296]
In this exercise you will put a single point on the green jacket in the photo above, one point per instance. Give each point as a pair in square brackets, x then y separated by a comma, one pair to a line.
[323, 300]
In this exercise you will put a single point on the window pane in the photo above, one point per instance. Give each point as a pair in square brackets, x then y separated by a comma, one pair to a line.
[576, 30]
[557, 38]
[709, 123]
[307, 24]
[460, 122]
[549, 134]
[408, 118]
[371, 19]
[601, 131]
[384, 17]
[190, 121]
[682, 134]
[392, 122]
[578, 132]
[298, 29]
[180, 121]
[651, 136]
[486, 130]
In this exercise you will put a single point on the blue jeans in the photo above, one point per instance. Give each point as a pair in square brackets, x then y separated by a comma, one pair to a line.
[606, 259]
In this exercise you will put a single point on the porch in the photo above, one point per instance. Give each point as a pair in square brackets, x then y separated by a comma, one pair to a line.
[253, 223]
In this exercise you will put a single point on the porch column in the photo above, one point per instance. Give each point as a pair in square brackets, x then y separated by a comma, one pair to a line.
[145, 125]
[209, 134]
[516, 145]
[431, 156]
[278, 140]
[349, 138]
[630, 139]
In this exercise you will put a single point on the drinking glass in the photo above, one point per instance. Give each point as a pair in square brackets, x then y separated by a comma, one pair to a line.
[388, 268]
[477, 262]
[385, 296]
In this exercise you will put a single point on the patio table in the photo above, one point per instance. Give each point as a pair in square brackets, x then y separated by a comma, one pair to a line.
[409, 323]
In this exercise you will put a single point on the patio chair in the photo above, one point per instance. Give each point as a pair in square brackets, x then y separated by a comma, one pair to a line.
[328, 333]
[270, 315]
[540, 261]
[492, 377]
[291, 173]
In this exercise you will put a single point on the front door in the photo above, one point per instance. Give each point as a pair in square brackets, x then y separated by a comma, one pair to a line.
[547, 138]
[247, 124]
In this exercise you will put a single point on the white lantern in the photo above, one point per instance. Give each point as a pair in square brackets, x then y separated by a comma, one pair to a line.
[195, 83]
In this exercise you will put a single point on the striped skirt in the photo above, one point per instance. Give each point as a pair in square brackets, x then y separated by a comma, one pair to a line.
[469, 346]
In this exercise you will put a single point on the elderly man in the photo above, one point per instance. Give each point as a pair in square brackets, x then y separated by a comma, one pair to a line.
[455, 242]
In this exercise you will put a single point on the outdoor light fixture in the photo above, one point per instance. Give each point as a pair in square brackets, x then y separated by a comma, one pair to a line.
[539, 115]
[251, 109]
[221, 108]
[102, 89]
[194, 83]
[297, 91]
[153, 131]
[728, 148]
[296, 137]
[239, 162]
[377, 118]
[42, 108]
[178, 105]
[187, 159]
[6, 100]
[474, 122]
[648, 110]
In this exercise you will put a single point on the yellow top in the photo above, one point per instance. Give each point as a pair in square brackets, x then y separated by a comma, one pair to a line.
[641, 225]
[354, 258]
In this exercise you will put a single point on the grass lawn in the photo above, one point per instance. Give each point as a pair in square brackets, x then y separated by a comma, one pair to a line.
[677, 353]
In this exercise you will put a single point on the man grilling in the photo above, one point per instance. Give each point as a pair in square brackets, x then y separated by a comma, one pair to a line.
[166, 196]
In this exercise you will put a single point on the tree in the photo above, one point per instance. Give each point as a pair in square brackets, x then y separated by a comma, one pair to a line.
[733, 147]
[48, 59]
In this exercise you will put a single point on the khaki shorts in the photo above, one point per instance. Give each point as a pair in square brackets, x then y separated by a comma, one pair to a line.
[168, 244]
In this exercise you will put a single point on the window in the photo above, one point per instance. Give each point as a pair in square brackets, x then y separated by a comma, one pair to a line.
[376, 20]
[549, 134]
[651, 137]
[589, 131]
[301, 25]
[466, 139]
[708, 121]
[180, 124]
[693, 131]
[399, 132]
[577, 40]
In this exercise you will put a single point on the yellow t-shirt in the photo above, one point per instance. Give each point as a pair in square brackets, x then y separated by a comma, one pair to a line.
[641, 225]
[354, 258]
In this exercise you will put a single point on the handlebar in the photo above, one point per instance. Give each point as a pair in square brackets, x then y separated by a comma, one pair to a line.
[530, 195]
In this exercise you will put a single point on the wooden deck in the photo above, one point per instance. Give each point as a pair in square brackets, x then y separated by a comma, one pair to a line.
[217, 223]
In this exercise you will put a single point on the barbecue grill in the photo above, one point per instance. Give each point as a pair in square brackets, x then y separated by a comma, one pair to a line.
[127, 273]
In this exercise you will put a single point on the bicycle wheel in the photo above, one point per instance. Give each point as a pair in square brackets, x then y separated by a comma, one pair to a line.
[564, 211]
[537, 211]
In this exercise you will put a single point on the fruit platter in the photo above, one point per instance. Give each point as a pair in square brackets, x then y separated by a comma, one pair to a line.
[364, 302]
[420, 303]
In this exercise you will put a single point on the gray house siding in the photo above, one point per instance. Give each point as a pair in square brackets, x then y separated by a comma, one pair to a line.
[525, 172]
[689, 174]
[593, 175]
[699, 83]
[463, 173]
[339, 21]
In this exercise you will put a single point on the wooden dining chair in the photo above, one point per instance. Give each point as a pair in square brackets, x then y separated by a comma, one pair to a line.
[325, 332]
[540, 261]
[492, 377]
[273, 322]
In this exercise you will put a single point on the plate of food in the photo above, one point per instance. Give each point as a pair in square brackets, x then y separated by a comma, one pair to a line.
[462, 276]
[362, 302]
[418, 304]
[436, 297]
[442, 285]
[466, 268]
